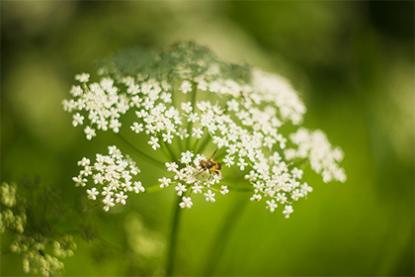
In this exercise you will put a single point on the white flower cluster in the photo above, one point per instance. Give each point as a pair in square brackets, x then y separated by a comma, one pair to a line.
[99, 102]
[112, 177]
[278, 183]
[190, 177]
[187, 95]
[275, 88]
[313, 145]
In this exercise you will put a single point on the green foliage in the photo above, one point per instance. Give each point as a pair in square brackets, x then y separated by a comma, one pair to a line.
[354, 64]
[32, 236]
[182, 60]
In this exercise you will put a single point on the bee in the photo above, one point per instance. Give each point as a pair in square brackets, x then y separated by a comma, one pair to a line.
[211, 165]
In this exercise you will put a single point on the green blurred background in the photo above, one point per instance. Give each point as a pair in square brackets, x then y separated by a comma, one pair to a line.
[352, 61]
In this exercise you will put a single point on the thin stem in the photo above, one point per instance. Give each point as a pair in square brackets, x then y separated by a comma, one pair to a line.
[222, 237]
[240, 189]
[170, 151]
[141, 153]
[173, 237]
[220, 155]
[203, 144]
[190, 124]
[153, 188]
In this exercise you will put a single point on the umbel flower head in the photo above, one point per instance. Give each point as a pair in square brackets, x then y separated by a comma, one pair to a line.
[112, 176]
[220, 126]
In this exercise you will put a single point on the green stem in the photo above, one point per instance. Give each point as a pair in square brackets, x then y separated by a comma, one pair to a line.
[170, 151]
[173, 237]
[153, 188]
[141, 153]
[190, 124]
[222, 237]
[203, 144]
[240, 189]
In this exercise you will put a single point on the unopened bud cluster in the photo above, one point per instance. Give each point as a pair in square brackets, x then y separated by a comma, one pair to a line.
[40, 254]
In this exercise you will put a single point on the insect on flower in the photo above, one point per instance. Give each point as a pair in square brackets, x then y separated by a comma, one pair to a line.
[183, 101]
[211, 165]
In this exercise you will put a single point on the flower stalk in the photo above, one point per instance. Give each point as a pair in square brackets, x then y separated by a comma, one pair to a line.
[174, 232]
[221, 240]
[141, 153]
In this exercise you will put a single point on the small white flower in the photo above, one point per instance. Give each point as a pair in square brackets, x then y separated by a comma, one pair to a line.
[197, 133]
[137, 127]
[172, 166]
[108, 203]
[115, 125]
[98, 178]
[297, 173]
[288, 210]
[84, 162]
[79, 181]
[228, 161]
[166, 97]
[271, 205]
[256, 197]
[242, 164]
[180, 189]
[187, 107]
[186, 87]
[164, 182]
[186, 157]
[154, 143]
[121, 198]
[89, 132]
[76, 91]
[138, 187]
[281, 197]
[224, 190]
[197, 188]
[186, 202]
[83, 77]
[167, 137]
[233, 105]
[78, 119]
[209, 196]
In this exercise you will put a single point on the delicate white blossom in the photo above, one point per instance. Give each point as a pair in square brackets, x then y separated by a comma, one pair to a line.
[190, 175]
[111, 177]
[82, 78]
[164, 182]
[186, 202]
[314, 146]
[190, 97]
[288, 210]
[186, 86]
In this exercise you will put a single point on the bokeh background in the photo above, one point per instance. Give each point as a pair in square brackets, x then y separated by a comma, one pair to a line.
[352, 61]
